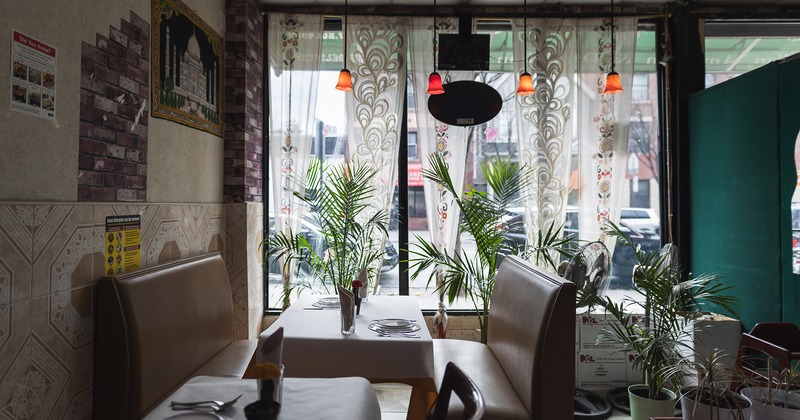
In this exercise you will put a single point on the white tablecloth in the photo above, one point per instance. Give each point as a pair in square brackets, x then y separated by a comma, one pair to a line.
[303, 398]
[313, 345]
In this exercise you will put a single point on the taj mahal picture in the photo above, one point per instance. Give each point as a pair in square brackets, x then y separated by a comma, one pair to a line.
[186, 75]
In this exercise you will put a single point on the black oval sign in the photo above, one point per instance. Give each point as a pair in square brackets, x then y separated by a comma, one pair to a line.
[465, 103]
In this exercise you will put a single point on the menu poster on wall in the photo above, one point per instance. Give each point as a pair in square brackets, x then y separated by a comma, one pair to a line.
[123, 243]
[33, 77]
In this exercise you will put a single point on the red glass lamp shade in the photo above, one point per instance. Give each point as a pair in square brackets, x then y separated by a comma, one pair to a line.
[435, 84]
[525, 84]
[613, 84]
[345, 81]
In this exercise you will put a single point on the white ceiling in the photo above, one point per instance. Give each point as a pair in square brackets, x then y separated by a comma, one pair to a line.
[497, 3]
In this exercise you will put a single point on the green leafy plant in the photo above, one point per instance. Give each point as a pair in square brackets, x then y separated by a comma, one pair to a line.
[481, 217]
[713, 372]
[339, 197]
[671, 307]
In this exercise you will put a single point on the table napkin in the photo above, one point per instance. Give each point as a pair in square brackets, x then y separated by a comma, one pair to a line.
[364, 278]
[347, 303]
[270, 348]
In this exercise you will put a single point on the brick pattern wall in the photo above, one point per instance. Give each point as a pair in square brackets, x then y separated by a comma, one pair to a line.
[244, 58]
[112, 156]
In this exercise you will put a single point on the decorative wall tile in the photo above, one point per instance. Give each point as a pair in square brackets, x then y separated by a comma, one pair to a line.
[15, 329]
[62, 242]
[15, 259]
[64, 323]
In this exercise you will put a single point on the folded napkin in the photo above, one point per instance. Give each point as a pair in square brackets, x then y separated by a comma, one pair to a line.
[270, 348]
[347, 303]
[364, 278]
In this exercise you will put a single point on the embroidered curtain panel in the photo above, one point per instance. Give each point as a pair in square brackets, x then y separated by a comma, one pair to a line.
[294, 61]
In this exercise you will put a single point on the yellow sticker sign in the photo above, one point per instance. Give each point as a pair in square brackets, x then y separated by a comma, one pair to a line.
[123, 244]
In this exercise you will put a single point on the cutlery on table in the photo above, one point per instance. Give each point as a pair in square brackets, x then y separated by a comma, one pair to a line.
[398, 334]
[210, 405]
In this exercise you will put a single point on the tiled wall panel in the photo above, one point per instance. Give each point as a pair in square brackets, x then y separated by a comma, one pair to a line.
[51, 257]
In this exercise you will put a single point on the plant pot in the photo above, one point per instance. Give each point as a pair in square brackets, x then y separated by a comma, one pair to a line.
[784, 406]
[698, 410]
[642, 408]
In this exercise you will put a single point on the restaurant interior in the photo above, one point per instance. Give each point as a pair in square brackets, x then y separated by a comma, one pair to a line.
[319, 205]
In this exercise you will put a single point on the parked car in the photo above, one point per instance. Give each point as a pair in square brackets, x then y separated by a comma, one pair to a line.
[624, 258]
[642, 219]
[310, 229]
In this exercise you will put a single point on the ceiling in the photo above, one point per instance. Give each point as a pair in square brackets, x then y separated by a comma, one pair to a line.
[502, 3]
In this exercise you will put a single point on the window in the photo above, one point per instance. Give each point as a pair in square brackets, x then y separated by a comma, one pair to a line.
[495, 138]
[641, 87]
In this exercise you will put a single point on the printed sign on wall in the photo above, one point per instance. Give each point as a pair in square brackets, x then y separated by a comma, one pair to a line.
[33, 76]
[123, 244]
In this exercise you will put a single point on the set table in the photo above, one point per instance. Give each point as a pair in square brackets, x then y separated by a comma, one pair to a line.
[314, 347]
[303, 398]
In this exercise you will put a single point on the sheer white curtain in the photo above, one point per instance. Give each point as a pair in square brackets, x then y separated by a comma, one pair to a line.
[569, 59]
[604, 121]
[294, 42]
[545, 119]
[376, 59]
[434, 136]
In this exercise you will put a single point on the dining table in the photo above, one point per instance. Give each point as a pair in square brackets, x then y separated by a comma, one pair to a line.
[314, 346]
[350, 398]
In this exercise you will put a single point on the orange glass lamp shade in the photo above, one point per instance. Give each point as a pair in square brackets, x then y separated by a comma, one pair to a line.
[525, 84]
[613, 84]
[345, 81]
[435, 84]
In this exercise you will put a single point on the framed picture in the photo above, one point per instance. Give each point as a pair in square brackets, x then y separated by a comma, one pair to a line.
[186, 79]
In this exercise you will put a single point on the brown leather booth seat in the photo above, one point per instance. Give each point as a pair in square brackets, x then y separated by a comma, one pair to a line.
[527, 368]
[158, 327]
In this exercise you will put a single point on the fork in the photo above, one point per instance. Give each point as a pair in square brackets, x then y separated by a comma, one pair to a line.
[210, 405]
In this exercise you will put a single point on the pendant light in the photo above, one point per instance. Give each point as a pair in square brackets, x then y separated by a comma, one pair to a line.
[434, 80]
[345, 79]
[525, 79]
[613, 84]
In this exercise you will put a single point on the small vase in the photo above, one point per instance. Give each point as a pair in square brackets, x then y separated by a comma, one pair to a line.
[357, 298]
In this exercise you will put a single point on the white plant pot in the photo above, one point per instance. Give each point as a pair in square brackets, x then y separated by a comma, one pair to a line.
[762, 410]
[694, 410]
[644, 408]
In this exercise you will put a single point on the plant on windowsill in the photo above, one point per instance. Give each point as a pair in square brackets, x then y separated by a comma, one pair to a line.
[339, 196]
[711, 398]
[481, 217]
[671, 307]
[776, 398]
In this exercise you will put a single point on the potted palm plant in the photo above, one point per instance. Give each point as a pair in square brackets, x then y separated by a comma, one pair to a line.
[338, 195]
[777, 398]
[481, 214]
[671, 307]
[711, 398]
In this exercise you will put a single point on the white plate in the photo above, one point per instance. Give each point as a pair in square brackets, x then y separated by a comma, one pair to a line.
[394, 323]
[407, 329]
[327, 302]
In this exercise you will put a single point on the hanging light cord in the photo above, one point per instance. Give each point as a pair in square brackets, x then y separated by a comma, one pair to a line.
[612, 35]
[344, 29]
[434, 36]
[525, 36]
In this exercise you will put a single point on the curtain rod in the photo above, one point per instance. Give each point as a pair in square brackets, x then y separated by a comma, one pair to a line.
[547, 11]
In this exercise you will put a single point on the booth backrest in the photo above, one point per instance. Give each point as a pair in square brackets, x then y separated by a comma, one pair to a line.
[532, 336]
[155, 327]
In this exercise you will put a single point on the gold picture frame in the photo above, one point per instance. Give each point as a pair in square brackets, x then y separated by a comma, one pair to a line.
[187, 71]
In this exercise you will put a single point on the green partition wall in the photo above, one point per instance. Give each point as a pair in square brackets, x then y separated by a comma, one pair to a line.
[735, 198]
[789, 128]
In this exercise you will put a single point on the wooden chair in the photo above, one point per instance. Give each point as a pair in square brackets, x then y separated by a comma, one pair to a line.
[456, 381]
[779, 341]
